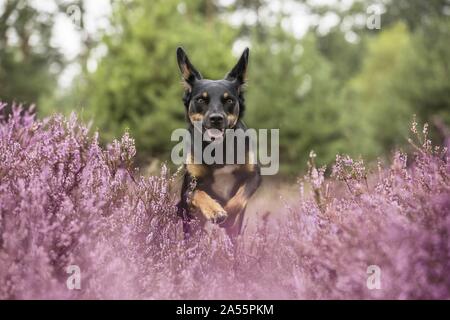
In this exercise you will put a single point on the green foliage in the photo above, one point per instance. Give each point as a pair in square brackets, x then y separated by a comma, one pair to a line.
[138, 84]
[346, 57]
[414, 13]
[292, 88]
[28, 62]
[426, 66]
[403, 74]
[382, 116]
[324, 92]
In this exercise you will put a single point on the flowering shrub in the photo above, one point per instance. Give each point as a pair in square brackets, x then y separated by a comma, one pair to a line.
[64, 200]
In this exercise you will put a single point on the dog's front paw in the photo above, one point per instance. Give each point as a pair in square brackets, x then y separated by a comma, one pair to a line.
[209, 207]
[219, 217]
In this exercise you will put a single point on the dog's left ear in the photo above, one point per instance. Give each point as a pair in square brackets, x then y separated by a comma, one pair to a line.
[188, 71]
[238, 73]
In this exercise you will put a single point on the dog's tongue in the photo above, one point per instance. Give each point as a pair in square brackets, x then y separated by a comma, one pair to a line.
[214, 133]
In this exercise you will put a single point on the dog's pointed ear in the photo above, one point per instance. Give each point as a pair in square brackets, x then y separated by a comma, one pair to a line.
[188, 71]
[239, 72]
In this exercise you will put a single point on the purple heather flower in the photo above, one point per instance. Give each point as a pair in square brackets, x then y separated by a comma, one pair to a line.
[66, 200]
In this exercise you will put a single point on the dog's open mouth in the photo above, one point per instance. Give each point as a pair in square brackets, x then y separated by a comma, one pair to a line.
[214, 133]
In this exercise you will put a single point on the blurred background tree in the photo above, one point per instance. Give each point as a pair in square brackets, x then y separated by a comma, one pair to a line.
[301, 102]
[317, 72]
[138, 85]
[28, 62]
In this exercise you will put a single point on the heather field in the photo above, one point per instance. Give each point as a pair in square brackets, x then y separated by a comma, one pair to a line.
[66, 200]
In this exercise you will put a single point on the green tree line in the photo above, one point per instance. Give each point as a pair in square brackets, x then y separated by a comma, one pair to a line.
[350, 89]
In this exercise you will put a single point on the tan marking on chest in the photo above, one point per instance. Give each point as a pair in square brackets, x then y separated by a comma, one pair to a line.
[224, 180]
[195, 170]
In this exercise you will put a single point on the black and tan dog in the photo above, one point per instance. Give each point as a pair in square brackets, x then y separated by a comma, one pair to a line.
[217, 192]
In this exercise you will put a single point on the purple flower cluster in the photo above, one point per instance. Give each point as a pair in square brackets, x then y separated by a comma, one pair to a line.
[65, 200]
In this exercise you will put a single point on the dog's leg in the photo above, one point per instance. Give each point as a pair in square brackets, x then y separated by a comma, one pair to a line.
[193, 199]
[210, 208]
[197, 198]
[235, 207]
[182, 206]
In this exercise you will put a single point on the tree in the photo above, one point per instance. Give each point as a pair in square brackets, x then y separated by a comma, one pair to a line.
[28, 62]
[427, 68]
[137, 84]
[292, 87]
[376, 114]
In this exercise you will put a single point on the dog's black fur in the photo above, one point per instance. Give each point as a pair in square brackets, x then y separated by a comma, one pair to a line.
[216, 192]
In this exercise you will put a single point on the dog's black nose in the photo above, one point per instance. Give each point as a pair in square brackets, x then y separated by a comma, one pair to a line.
[216, 119]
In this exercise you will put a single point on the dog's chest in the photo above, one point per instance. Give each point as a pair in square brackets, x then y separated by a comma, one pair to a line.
[224, 180]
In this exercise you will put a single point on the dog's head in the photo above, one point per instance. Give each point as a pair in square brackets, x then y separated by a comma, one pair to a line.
[217, 104]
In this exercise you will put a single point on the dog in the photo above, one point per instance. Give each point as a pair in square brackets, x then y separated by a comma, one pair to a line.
[218, 193]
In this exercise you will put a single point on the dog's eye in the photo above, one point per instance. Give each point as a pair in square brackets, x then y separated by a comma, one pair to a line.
[229, 101]
[201, 100]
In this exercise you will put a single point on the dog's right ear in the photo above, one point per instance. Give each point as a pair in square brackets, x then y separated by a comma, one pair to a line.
[188, 71]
